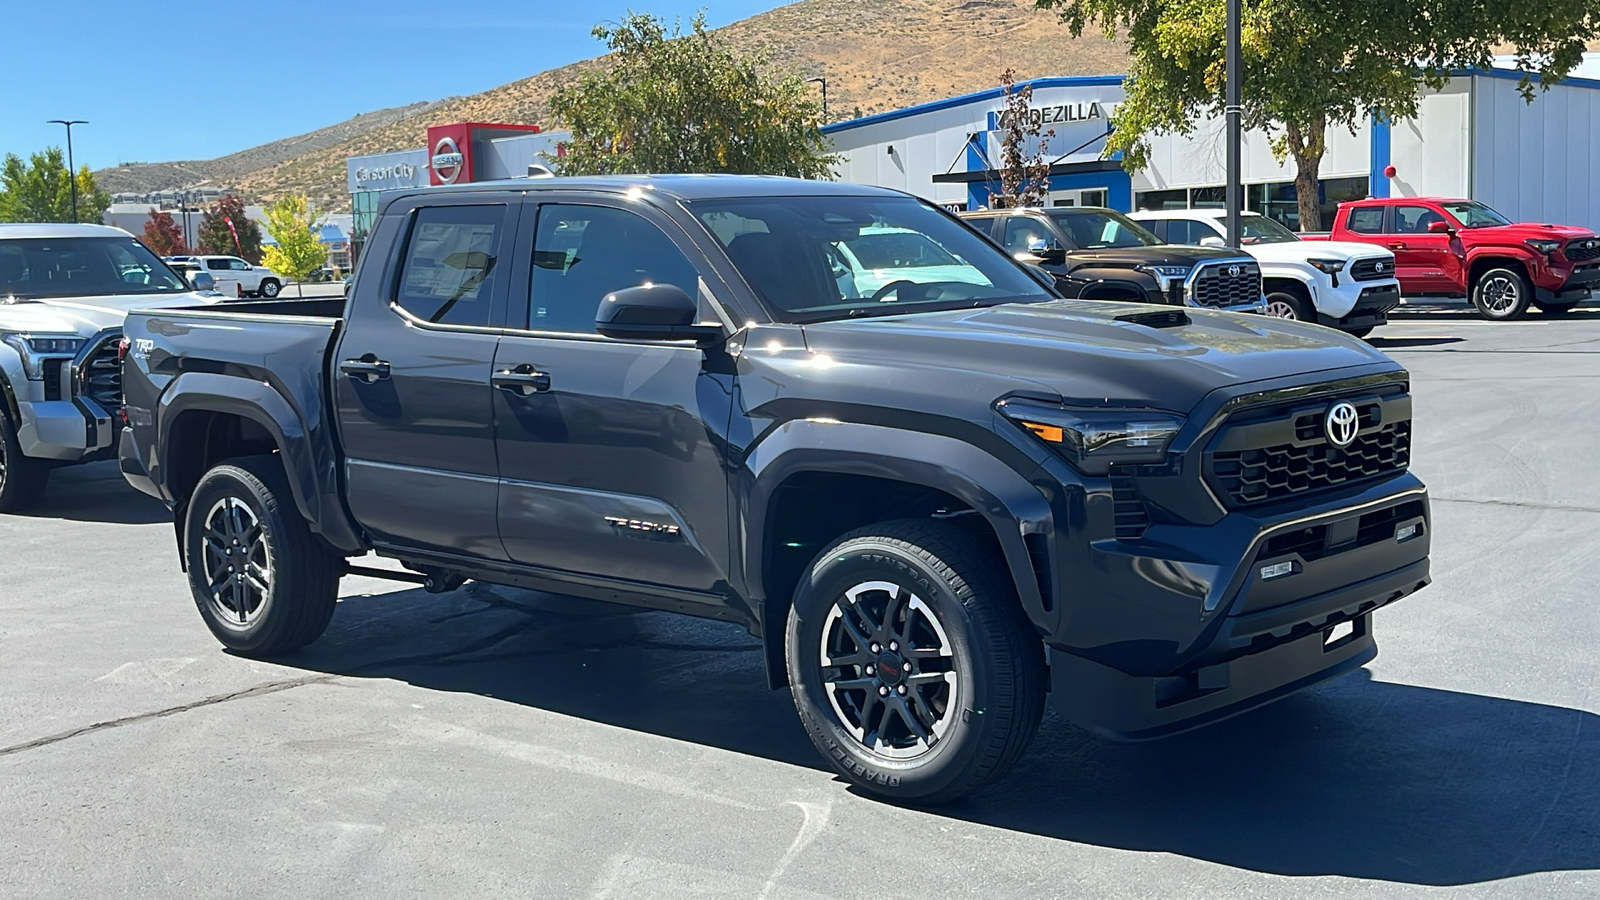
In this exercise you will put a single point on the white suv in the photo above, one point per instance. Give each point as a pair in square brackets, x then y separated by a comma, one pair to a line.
[234, 276]
[1344, 285]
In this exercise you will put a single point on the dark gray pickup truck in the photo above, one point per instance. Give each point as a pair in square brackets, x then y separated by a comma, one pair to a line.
[935, 491]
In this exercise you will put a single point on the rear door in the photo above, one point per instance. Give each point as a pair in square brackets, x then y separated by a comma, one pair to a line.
[612, 453]
[411, 375]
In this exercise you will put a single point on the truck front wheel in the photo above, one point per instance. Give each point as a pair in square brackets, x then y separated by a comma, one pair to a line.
[22, 479]
[1287, 305]
[263, 582]
[1502, 294]
[913, 668]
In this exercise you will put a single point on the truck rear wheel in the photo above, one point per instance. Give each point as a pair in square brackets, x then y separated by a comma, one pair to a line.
[264, 583]
[269, 288]
[914, 671]
[22, 479]
[1502, 294]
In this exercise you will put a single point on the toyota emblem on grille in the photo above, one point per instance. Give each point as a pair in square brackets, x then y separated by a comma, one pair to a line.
[1377, 267]
[1233, 271]
[1342, 424]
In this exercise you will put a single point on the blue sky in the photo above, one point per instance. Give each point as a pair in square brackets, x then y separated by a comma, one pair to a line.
[192, 80]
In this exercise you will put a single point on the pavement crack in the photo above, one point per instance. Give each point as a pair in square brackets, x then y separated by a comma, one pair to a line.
[271, 687]
[1524, 504]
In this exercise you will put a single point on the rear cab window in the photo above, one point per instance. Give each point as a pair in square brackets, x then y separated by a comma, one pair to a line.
[1365, 220]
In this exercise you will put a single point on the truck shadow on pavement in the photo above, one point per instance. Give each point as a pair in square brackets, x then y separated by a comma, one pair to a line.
[96, 493]
[1357, 778]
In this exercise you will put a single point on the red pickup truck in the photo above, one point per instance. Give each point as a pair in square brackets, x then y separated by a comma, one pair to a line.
[1462, 248]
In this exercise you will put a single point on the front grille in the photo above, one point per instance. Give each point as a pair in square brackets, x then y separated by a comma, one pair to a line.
[1583, 249]
[1311, 544]
[99, 375]
[1216, 285]
[1131, 517]
[1263, 456]
[1372, 269]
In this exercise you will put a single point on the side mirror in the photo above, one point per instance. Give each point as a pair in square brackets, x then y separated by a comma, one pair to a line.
[1212, 241]
[1440, 227]
[1043, 251]
[653, 312]
[203, 281]
[1044, 278]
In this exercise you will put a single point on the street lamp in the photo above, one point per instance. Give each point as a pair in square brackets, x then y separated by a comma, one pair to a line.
[72, 173]
[824, 83]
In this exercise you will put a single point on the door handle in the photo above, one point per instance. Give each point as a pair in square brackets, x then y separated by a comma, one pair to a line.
[367, 369]
[1397, 245]
[524, 381]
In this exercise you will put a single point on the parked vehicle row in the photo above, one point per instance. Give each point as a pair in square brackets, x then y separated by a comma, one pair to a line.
[931, 487]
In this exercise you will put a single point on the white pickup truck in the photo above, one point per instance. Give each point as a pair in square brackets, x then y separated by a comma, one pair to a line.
[235, 277]
[1344, 285]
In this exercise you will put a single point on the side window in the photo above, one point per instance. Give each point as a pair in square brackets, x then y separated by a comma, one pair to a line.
[582, 253]
[1022, 231]
[216, 264]
[239, 265]
[1366, 220]
[1414, 219]
[448, 274]
[1181, 231]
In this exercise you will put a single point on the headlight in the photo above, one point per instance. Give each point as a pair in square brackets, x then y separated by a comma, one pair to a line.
[33, 348]
[1548, 248]
[1327, 266]
[1169, 271]
[1092, 439]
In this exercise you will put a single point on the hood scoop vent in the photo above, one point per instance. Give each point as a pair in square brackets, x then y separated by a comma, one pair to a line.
[1156, 318]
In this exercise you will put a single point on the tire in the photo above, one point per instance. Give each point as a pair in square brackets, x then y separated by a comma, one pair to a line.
[1502, 294]
[972, 673]
[268, 288]
[249, 500]
[1555, 309]
[1360, 332]
[1287, 305]
[22, 478]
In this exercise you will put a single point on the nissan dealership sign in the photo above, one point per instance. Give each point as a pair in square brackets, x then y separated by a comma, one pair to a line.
[387, 171]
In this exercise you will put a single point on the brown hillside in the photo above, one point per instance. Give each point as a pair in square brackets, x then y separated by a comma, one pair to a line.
[876, 54]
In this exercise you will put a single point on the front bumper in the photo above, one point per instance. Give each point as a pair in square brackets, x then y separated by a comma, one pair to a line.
[1574, 284]
[67, 430]
[1371, 308]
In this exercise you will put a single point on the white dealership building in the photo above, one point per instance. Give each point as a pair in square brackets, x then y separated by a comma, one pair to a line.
[1474, 138]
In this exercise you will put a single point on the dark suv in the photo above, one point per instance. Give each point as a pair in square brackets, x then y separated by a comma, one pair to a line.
[829, 413]
[1101, 254]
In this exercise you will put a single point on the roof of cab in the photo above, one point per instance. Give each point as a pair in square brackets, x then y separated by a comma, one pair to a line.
[13, 231]
[675, 187]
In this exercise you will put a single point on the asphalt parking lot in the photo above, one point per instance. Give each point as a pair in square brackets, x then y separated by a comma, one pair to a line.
[494, 742]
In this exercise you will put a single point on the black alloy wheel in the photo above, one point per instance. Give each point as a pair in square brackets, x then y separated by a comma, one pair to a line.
[912, 666]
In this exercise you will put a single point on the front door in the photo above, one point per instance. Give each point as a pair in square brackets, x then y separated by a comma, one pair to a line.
[1424, 261]
[611, 452]
[412, 378]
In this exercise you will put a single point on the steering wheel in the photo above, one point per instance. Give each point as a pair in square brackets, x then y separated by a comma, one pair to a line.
[891, 287]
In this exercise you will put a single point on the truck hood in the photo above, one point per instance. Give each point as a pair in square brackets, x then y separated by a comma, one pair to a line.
[1299, 252]
[87, 316]
[1516, 234]
[1079, 350]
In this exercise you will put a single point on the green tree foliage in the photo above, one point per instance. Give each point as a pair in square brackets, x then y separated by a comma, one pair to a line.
[676, 102]
[1309, 65]
[163, 235]
[216, 239]
[40, 190]
[1024, 173]
[295, 225]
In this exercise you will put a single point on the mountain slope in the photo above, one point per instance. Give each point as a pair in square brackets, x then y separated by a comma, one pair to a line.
[877, 55]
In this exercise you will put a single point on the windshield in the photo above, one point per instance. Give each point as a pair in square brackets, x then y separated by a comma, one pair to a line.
[1472, 214]
[36, 268]
[811, 259]
[1262, 230]
[1097, 229]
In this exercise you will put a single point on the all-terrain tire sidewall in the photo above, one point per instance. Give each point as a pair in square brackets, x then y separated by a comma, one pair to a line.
[268, 289]
[1515, 311]
[25, 479]
[304, 575]
[973, 747]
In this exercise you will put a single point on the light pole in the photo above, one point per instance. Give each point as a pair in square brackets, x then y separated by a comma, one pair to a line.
[1234, 193]
[824, 83]
[72, 173]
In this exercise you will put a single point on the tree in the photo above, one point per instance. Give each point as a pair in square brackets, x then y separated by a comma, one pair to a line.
[296, 227]
[40, 190]
[1309, 65]
[686, 103]
[218, 239]
[163, 235]
[1024, 175]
